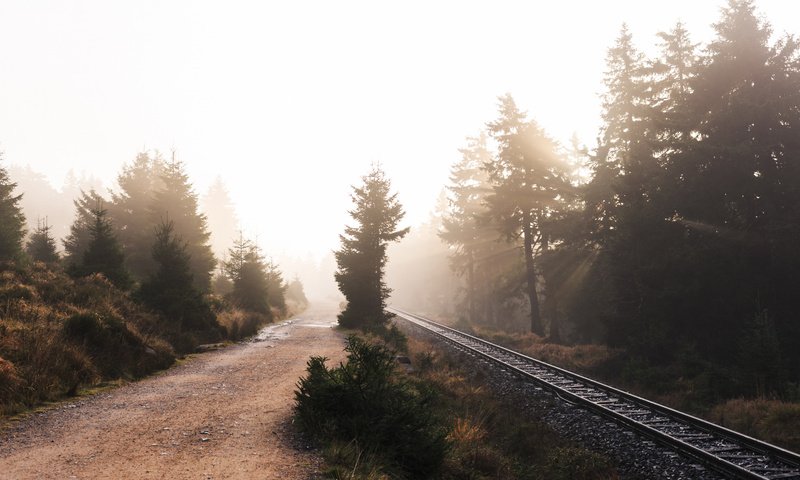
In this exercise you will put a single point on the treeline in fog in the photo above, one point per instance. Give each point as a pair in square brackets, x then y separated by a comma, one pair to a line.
[674, 238]
[137, 283]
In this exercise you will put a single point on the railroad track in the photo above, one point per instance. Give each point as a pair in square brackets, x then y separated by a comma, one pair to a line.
[730, 453]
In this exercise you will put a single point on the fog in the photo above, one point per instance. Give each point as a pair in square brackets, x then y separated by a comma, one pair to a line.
[288, 104]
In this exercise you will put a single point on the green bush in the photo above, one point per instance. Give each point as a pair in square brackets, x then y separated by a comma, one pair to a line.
[366, 402]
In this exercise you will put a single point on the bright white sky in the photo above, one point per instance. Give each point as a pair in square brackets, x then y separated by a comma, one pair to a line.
[291, 101]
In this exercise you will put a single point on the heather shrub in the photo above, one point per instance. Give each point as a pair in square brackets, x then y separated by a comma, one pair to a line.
[58, 335]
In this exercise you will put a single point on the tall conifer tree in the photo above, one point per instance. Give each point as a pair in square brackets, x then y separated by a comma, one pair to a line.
[77, 242]
[469, 232]
[247, 271]
[12, 221]
[361, 259]
[103, 254]
[170, 289]
[41, 246]
[223, 224]
[528, 180]
[176, 202]
[130, 208]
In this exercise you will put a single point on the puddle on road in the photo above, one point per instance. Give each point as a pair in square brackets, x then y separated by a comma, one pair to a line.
[270, 332]
[279, 332]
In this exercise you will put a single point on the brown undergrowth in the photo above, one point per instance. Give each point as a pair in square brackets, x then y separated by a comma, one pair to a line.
[58, 335]
[489, 438]
[773, 421]
[486, 436]
[687, 385]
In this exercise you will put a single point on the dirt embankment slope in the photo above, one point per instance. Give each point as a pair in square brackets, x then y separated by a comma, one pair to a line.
[223, 414]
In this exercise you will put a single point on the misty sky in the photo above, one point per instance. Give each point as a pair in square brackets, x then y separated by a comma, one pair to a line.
[290, 102]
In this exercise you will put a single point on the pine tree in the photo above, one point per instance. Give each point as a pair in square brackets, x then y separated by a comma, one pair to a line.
[12, 221]
[41, 246]
[296, 293]
[170, 289]
[623, 160]
[276, 287]
[528, 178]
[467, 229]
[361, 259]
[247, 270]
[223, 224]
[130, 208]
[674, 74]
[103, 254]
[739, 204]
[77, 242]
[625, 200]
[177, 202]
[740, 164]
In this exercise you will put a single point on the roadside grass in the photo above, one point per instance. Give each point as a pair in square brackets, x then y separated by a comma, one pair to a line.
[240, 324]
[59, 335]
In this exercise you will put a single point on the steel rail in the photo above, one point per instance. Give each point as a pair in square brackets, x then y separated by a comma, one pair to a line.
[731, 453]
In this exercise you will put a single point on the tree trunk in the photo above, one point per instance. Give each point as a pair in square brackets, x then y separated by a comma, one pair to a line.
[530, 274]
[555, 324]
[551, 302]
[471, 285]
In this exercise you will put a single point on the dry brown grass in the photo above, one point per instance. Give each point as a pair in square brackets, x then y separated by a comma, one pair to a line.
[578, 358]
[489, 438]
[58, 335]
[773, 421]
[241, 324]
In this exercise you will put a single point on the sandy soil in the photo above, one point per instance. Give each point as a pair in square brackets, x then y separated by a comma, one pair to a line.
[222, 414]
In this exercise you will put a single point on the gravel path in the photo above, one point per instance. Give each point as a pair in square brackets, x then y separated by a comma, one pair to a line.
[222, 414]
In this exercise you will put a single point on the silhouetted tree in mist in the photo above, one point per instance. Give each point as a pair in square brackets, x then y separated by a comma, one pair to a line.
[104, 254]
[276, 287]
[41, 245]
[223, 223]
[12, 221]
[247, 270]
[296, 293]
[528, 180]
[77, 242]
[361, 259]
[462, 227]
[170, 288]
[176, 202]
[691, 219]
[130, 208]
[41, 200]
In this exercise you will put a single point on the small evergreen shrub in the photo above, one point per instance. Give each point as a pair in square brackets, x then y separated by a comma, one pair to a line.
[366, 402]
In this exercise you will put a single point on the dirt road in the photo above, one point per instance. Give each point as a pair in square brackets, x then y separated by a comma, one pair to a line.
[222, 414]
